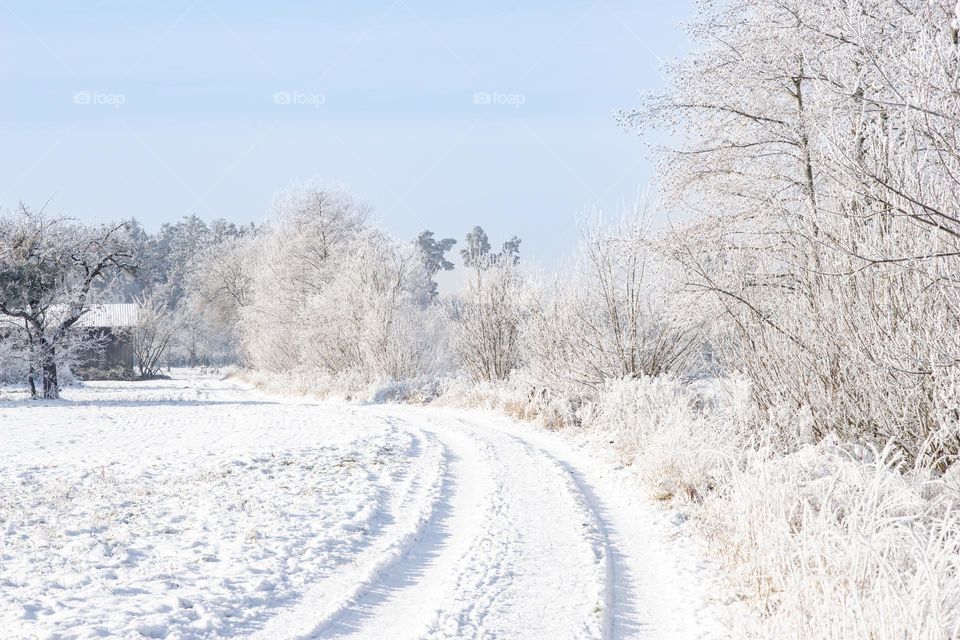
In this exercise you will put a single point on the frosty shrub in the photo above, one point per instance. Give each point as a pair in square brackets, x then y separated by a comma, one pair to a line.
[680, 438]
[841, 542]
[613, 318]
[520, 396]
[487, 317]
[155, 330]
[825, 541]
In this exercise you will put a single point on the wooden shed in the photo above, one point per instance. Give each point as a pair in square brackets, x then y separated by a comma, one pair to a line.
[113, 324]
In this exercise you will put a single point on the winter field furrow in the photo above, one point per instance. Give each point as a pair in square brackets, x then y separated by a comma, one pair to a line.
[196, 508]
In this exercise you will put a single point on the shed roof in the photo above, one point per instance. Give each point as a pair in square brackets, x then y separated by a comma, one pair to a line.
[115, 316]
[111, 315]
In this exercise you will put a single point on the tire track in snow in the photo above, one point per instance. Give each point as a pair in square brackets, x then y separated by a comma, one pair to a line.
[658, 586]
[508, 531]
[515, 553]
[400, 592]
[413, 507]
[483, 574]
[596, 532]
[559, 574]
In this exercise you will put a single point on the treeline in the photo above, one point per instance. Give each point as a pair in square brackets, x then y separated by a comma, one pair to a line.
[318, 291]
[323, 294]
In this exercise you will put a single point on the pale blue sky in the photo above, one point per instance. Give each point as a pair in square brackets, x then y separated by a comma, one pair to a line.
[157, 110]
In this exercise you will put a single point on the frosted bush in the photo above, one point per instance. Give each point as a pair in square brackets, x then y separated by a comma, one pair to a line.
[824, 541]
[675, 434]
[520, 397]
[302, 381]
[841, 542]
[412, 390]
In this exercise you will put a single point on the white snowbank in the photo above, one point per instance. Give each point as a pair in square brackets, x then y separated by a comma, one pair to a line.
[154, 510]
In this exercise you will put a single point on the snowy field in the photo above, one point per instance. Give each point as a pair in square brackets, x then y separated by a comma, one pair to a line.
[197, 508]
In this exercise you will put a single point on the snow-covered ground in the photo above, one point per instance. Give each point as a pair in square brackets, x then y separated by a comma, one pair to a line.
[198, 508]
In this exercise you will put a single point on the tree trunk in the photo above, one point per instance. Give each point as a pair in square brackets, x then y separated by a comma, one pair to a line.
[32, 368]
[51, 384]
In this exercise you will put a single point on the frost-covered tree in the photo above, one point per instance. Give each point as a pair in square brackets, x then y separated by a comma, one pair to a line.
[511, 250]
[331, 296]
[611, 317]
[477, 253]
[219, 284]
[434, 255]
[818, 143]
[380, 300]
[153, 335]
[48, 269]
[296, 261]
[476, 249]
[487, 317]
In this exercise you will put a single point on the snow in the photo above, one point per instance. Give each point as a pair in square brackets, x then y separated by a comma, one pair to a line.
[198, 508]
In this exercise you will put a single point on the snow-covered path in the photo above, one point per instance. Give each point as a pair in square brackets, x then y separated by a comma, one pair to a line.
[195, 508]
